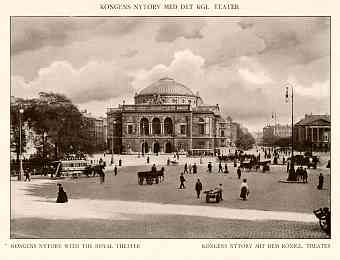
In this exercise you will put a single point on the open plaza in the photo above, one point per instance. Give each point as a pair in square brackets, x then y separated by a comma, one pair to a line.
[121, 208]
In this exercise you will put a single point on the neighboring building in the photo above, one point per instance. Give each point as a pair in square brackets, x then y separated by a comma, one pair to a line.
[272, 133]
[313, 132]
[268, 135]
[258, 136]
[167, 117]
[282, 131]
[95, 129]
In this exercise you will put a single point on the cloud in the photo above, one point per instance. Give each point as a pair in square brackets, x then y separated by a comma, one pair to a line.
[185, 67]
[172, 30]
[242, 63]
[96, 81]
[129, 53]
[31, 33]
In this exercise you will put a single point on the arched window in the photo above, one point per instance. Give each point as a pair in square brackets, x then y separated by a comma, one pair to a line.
[168, 126]
[144, 126]
[156, 126]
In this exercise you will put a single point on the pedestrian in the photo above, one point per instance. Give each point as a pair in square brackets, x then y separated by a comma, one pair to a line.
[244, 190]
[168, 161]
[305, 175]
[101, 175]
[27, 175]
[120, 162]
[320, 185]
[62, 196]
[220, 169]
[288, 164]
[235, 163]
[116, 170]
[194, 168]
[148, 159]
[185, 168]
[239, 172]
[283, 160]
[220, 191]
[226, 168]
[182, 180]
[154, 168]
[198, 188]
[209, 167]
[190, 168]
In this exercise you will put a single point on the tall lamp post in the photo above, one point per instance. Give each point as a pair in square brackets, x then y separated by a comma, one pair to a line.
[21, 170]
[292, 137]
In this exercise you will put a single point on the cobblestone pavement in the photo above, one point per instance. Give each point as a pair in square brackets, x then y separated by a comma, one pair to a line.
[126, 209]
[155, 226]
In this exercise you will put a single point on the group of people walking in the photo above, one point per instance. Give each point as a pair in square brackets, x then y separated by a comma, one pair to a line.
[244, 189]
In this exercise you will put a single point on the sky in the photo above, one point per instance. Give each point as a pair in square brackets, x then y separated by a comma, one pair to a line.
[244, 64]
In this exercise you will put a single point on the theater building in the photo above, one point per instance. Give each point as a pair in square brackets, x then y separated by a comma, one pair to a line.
[167, 117]
[313, 132]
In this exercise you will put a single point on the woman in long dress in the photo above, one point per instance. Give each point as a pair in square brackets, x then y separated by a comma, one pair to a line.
[62, 196]
[244, 190]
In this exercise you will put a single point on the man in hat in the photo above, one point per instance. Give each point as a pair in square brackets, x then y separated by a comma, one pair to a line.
[182, 180]
[320, 185]
[198, 188]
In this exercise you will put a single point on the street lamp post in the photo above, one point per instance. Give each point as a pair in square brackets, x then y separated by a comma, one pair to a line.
[292, 126]
[21, 170]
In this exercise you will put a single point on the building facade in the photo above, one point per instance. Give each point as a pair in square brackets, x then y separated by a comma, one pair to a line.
[167, 117]
[272, 133]
[313, 132]
[95, 130]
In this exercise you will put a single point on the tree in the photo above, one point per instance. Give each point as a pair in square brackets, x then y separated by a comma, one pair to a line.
[61, 120]
[245, 141]
[15, 129]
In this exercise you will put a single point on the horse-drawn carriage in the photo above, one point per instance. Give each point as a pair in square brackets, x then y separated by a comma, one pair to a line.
[150, 177]
[215, 194]
[256, 165]
[264, 164]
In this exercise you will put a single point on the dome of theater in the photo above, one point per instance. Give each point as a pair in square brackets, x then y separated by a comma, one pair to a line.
[166, 86]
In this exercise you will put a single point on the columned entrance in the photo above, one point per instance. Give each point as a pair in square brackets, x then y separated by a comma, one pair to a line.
[156, 148]
[168, 148]
[145, 148]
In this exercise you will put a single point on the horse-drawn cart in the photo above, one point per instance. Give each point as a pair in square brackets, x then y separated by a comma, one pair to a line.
[214, 194]
[150, 177]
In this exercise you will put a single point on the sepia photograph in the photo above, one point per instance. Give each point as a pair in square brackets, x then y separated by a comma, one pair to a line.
[193, 127]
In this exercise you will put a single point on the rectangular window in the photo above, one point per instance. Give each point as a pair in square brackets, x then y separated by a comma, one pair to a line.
[201, 129]
[129, 129]
[183, 130]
